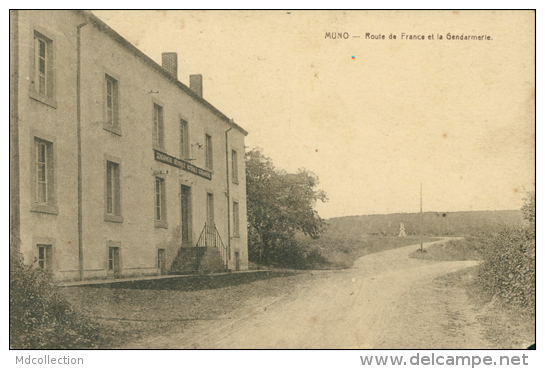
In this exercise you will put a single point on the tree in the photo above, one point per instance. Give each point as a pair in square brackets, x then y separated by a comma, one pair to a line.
[279, 205]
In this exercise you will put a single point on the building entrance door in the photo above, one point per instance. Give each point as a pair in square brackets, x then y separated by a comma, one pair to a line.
[186, 215]
[210, 225]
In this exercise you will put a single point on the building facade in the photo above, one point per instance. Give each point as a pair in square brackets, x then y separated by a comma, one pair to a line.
[122, 169]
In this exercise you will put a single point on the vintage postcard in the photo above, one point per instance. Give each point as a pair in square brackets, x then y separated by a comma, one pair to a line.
[328, 179]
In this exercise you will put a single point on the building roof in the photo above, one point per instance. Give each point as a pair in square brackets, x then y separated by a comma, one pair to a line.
[103, 27]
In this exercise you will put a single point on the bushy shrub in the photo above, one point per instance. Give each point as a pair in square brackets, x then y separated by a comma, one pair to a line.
[39, 316]
[508, 270]
[509, 267]
[288, 251]
[315, 260]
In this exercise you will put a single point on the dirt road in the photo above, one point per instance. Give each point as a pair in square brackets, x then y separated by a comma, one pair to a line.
[386, 300]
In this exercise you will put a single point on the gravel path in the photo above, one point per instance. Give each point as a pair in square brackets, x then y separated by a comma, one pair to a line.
[387, 300]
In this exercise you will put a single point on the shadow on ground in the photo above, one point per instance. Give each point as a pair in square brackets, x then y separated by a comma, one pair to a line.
[196, 282]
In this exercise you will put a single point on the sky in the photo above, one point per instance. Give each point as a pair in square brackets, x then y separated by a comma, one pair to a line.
[372, 118]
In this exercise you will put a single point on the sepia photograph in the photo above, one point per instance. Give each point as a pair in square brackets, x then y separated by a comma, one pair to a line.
[272, 179]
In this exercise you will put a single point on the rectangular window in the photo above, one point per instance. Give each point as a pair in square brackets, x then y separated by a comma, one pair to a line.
[42, 72]
[160, 200]
[114, 263]
[44, 256]
[112, 102]
[237, 261]
[234, 165]
[208, 151]
[41, 65]
[236, 220]
[111, 258]
[41, 172]
[161, 265]
[158, 128]
[113, 189]
[184, 140]
[160, 253]
[43, 177]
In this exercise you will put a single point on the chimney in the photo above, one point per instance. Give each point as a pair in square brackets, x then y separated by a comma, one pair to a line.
[170, 63]
[195, 83]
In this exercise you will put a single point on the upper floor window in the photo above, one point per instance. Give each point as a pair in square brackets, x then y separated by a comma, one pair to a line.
[184, 139]
[42, 86]
[41, 65]
[158, 127]
[112, 104]
[208, 151]
[234, 166]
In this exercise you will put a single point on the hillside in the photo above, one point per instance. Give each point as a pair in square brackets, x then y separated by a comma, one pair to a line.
[434, 224]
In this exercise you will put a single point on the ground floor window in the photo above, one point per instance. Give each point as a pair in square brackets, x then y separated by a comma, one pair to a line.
[114, 266]
[161, 265]
[44, 256]
[237, 261]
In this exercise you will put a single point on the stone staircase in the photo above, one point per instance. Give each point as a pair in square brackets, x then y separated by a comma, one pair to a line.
[193, 260]
[187, 260]
[208, 256]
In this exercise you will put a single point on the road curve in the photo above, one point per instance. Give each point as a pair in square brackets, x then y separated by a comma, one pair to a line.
[361, 307]
[385, 301]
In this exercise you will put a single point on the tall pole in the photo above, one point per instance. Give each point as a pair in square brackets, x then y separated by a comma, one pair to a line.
[421, 241]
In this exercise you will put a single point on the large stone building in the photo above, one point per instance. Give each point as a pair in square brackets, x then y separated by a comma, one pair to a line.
[118, 169]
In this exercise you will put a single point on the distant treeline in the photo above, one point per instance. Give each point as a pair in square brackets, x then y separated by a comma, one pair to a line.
[461, 223]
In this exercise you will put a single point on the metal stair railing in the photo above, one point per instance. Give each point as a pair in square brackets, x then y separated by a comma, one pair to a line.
[210, 237]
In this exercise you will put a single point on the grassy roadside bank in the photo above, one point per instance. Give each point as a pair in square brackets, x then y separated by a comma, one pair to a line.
[468, 248]
[505, 326]
[508, 322]
[340, 253]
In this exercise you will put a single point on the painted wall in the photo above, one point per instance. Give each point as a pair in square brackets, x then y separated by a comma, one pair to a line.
[55, 123]
[139, 86]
